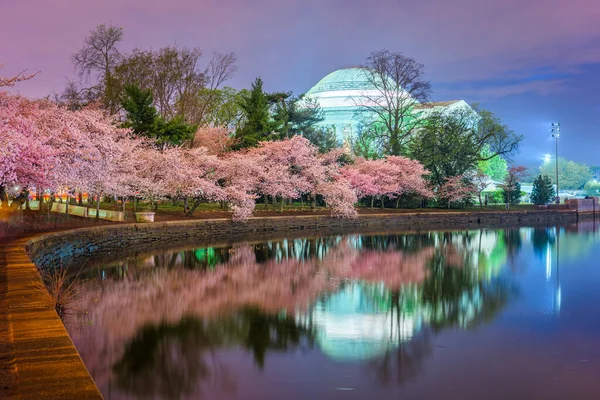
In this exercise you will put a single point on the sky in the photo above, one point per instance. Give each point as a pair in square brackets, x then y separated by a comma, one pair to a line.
[532, 62]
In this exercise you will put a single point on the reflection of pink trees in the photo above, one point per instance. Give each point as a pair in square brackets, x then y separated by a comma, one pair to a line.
[393, 268]
[113, 311]
[123, 306]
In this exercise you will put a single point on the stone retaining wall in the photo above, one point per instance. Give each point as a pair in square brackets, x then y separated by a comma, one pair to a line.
[65, 248]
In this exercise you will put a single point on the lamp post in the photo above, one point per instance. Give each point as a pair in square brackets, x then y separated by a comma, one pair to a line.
[555, 135]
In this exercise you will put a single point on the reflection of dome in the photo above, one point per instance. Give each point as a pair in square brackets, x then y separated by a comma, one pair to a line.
[351, 326]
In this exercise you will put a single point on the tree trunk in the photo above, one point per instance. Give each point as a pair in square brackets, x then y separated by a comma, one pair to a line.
[3, 197]
[98, 208]
[80, 199]
[191, 211]
[480, 200]
[40, 197]
[185, 204]
[124, 202]
[281, 205]
[372, 201]
[397, 202]
[382, 202]
[313, 202]
[301, 202]
[67, 208]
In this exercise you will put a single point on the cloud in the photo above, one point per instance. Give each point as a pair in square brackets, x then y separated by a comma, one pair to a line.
[292, 44]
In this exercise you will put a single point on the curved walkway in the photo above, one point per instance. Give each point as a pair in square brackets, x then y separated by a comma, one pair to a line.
[39, 360]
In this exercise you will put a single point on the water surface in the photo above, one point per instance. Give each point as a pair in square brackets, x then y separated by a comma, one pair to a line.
[509, 313]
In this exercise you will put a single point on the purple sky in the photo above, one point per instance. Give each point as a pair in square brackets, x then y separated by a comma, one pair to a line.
[530, 61]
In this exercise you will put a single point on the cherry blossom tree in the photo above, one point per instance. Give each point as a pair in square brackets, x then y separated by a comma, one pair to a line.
[409, 175]
[24, 151]
[362, 182]
[456, 188]
[242, 176]
[285, 164]
[194, 173]
[11, 81]
[389, 177]
[217, 140]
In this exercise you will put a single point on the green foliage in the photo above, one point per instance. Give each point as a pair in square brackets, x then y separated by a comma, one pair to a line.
[495, 197]
[365, 143]
[592, 188]
[293, 115]
[492, 134]
[543, 190]
[141, 114]
[595, 170]
[224, 109]
[495, 167]
[255, 108]
[324, 139]
[513, 197]
[173, 132]
[571, 175]
[447, 146]
[144, 120]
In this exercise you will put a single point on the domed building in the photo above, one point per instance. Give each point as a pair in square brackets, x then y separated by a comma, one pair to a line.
[343, 93]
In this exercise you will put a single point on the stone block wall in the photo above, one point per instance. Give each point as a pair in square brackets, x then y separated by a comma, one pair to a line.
[63, 248]
[585, 205]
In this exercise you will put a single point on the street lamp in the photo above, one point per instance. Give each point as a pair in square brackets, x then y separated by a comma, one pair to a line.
[555, 135]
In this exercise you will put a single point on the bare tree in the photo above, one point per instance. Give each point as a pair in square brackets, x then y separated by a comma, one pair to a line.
[74, 96]
[97, 59]
[491, 132]
[219, 70]
[173, 74]
[388, 109]
[513, 177]
[480, 183]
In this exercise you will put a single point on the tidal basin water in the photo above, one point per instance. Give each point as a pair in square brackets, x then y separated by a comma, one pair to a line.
[477, 314]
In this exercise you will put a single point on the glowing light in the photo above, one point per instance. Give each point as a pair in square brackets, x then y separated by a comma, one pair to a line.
[547, 158]
[548, 263]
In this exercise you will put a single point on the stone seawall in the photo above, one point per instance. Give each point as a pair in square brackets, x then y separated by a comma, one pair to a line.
[64, 248]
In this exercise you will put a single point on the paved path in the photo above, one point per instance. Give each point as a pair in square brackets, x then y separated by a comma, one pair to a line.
[35, 345]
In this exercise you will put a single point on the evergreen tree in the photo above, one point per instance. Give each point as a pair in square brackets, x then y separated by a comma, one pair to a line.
[143, 119]
[141, 114]
[543, 190]
[256, 110]
[324, 139]
[173, 132]
[513, 197]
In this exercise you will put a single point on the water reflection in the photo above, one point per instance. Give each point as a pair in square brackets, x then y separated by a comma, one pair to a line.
[168, 360]
[176, 324]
